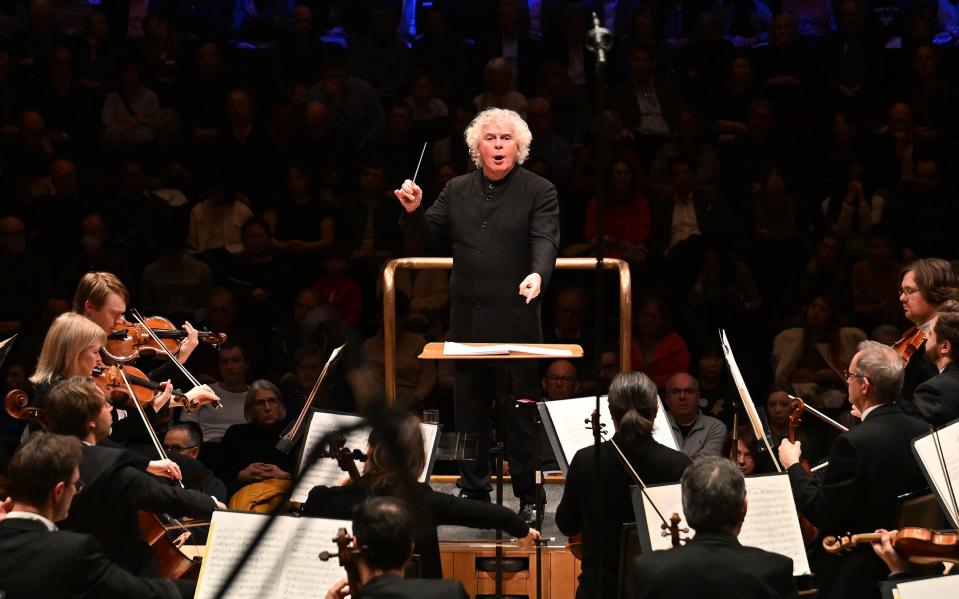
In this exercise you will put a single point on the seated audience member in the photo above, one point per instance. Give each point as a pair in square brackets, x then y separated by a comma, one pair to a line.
[498, 91]
[716, 389]
[699, 435]
[570, 323]
[285, 339]
[779, 406]
[682, 214]
[415, 378]
[128, 113]
[857, 491]
[259, 278]
[714, 563]
[937, 400]
[337, 289]
[750, 456]
[632, 405]
[176, 284]
[231, 389]
[560, 381]
[249, 449]
[215, 222]
[627, 216]
[186, 439]
[875, 281]
[42, 561]
[383, 527]
[810, 357]
[388, 474]
[657, 350]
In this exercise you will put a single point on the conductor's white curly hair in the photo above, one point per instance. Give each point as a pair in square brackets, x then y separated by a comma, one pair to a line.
[498, 116]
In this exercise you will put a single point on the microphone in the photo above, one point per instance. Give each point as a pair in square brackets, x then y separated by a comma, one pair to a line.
[599, 40]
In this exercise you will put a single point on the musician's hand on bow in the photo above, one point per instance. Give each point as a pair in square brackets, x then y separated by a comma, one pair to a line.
[530, 287]
[339, 590]
[887, 553]
[165, 468]
[202, 395]
[789, 453]
[531, 537]
[188, 344]
[410, 195]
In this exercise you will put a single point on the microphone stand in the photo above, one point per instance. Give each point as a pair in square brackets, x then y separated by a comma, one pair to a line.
[598, 41]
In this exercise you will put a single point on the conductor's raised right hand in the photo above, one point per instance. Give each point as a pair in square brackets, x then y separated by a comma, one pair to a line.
[410, 195]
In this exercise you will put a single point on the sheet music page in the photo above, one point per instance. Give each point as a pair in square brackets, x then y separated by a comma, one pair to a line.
[284, 564]
[544, 351]
[771, 520]
[326, 471]
[570, 418]
[925, 448]
[451, 348]
[930, 588]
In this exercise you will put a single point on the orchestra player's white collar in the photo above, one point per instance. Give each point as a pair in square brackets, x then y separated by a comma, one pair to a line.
[36, 517]
[869, 411]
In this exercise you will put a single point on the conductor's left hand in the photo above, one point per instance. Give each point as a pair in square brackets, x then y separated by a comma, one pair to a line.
[530, 287]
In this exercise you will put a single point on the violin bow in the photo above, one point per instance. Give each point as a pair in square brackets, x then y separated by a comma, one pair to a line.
[820, 415]
[748, 404]
[639, 481]
[285, 444]
[153, 435]
[189, 376]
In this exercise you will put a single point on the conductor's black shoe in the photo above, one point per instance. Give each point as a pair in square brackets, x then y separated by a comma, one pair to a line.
[527, 512]
[475, 496]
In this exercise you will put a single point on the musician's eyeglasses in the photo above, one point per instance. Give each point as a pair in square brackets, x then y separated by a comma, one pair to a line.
[846, 375]
[78, 484]
[908, 291]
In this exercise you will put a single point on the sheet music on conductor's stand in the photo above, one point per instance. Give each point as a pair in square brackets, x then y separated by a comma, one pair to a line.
[285, 564]
[327, 472]
[771, 523]
[567, 425]
[938, 456]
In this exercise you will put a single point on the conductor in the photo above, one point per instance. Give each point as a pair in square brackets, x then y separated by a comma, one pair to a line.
[501, 224]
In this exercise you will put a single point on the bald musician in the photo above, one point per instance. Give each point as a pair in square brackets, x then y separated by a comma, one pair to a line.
[39, 560]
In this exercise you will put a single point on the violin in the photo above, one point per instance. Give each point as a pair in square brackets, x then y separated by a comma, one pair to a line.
[909, 344]
[917, 545]
[347, 555]
[129, 341]
[113, 380]
[345, 458]
[807, 528]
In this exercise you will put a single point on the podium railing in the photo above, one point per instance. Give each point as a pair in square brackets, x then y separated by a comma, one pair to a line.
[389, 305]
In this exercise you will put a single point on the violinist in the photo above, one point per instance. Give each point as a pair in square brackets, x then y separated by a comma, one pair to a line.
[386, 474]
[714, 564]
[115, 489]
[41, 561]
[926, 284]
[632, 405]
[383, 528]
[937, 400]
[870, 466]
[249, 449]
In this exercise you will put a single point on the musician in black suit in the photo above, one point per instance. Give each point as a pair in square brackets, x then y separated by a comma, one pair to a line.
[41, 561]
[389, 472]
[382, 529]
[116, 489]
[632, 405]
[870, 466]
[937, 400]
[501, 223]
[714, 563]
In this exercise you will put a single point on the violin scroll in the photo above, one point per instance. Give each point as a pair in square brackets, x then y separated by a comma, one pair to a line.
[17, 404]
[347, 555]
[673, 530]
